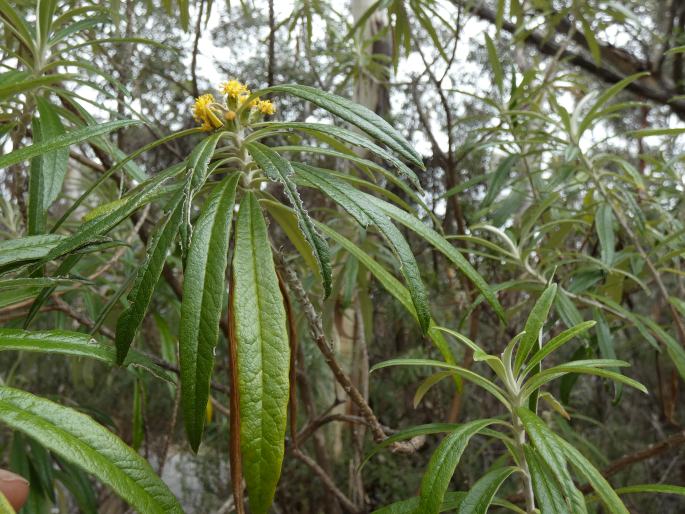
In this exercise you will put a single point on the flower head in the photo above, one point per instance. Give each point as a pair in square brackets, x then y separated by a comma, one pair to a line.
[266, 107]
[243, 98]
[202, 113]
[234, 89]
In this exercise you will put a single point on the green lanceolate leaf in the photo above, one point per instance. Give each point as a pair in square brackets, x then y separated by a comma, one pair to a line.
[196, 169]
[585, 468]
[409, 433]
[392, 285]
[263, 356]
[442, 464]
[469, 375]
[326, 132]
[586, 367]
[548, 495]
[551, 454]
[14, 252]
[355, 202]
[63, 141]
[47, 170]
[534, 325]
[557, 342]
[604, 224]
[204, 286]
[83, 442]
[96, 227]
[280, 170]
[147, 277]
[480, 496]
[605, 343]
[75, 344]
[198, 160]
[444, 247]
[356, 114]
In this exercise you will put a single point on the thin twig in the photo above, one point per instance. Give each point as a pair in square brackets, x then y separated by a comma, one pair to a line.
[169, 432]
[345, 502]
[317, 333]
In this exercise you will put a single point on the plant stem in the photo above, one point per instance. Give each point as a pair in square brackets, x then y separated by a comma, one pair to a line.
[520, 440]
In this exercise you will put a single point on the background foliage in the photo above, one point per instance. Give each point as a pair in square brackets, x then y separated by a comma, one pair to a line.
[549, 135]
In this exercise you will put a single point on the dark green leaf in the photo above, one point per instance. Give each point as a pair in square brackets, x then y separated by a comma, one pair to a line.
[204, 286]
[480, 496]
[442, 464]
[534, 325]
[74, 344]
[359, 206]
[147, 277]
[74, 136]
[585, 468]
[280, 170]
[604, 223]
[550, 453]
[47, 170]
[263, 356]
[548, 496]
[80, 440]
[356, 114]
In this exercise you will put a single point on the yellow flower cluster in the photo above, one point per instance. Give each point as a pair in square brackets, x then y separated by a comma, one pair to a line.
[203, 113]
[234, 89]
[266, 107]
[206, 109]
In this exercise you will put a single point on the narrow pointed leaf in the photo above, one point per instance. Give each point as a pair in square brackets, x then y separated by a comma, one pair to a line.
[605, 343]
[557, 342]
[100, 225]
[75, 344]
[356, 114]
[80, 440]
[147, 277]
[481, 495]
[604, 221]
[534, 325]
[392, 285]
[280, 170]
[63, 141]
[204, 286]
[549, 451]
[339, 190]
[548, 495]
[25, 249]
[441, 244]
[325, 132]
[583, 368]
[585, 468]
[196, 171]
[47, 170]
[442, 464]
[467, 374]
[409, 433]
[263, 356]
